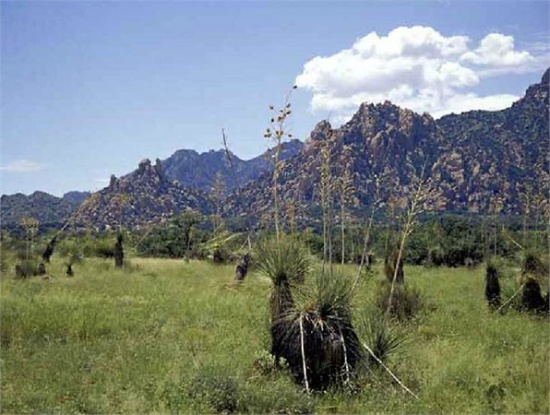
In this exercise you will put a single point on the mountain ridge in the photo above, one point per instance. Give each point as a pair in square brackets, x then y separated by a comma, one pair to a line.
[476, 160]
[199, 170]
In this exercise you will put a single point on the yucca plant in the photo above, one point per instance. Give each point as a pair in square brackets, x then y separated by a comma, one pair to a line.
[333, 294]
[379, 336]
[318, 340]
[533, 273]
[492, 286]
[285, 262]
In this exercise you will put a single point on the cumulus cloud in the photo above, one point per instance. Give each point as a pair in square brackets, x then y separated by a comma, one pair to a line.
[415, 67]
[498, 50]
[22, 166]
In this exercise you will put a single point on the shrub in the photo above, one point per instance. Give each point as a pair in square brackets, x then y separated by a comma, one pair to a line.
[102, 248]
[280, 398]
[217, 390]
[407, 301]
[435, 257]
[70, 248]
[264, 365]
[26, 268]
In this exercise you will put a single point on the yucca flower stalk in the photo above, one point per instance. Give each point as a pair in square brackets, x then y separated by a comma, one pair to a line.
[422, 194]
[277, 133]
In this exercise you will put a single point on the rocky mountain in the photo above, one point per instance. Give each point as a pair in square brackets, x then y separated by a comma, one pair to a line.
[199, 171]
[141, 198]
[477, 161]
[47, 209]
[153, 193]
[194, 174]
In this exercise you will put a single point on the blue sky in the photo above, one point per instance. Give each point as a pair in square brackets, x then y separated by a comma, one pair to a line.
[90, 88]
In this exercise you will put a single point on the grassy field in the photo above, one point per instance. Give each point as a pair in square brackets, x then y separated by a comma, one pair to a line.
[165, 336]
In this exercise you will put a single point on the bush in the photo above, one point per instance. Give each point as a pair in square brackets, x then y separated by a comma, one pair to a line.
[26, 268]
[264, 364]
[217, 390]
[407, 301]
[104, 249]
[70, 248]
[276, 398]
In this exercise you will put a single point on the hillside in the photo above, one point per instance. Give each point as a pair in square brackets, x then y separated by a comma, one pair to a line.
[47, 209]
[140, 198]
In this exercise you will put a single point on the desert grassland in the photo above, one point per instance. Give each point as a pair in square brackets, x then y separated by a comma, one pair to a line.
[165, 336]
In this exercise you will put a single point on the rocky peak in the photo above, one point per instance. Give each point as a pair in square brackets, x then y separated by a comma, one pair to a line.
[159, 169]
[546, 78]
[113, 182]
[537, 94]
[321, 131]
[144, 165]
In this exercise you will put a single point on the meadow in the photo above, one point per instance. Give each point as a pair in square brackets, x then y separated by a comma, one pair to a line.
[166, 336]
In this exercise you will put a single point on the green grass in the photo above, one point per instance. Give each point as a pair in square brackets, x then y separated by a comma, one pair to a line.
[164, 336]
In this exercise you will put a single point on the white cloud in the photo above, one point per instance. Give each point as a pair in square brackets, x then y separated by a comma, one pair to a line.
[414, 67]
[497, 50]
[22, 166]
